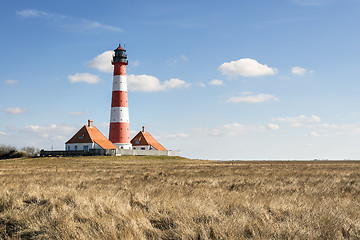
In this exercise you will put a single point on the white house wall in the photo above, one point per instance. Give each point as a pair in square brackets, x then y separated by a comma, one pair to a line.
[96, 146]
[141, 147]
[80, 146]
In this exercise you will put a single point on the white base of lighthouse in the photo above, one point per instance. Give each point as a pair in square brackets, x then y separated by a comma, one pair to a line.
[123, 145]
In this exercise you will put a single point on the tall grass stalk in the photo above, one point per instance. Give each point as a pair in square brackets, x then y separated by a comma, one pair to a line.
[177, 198]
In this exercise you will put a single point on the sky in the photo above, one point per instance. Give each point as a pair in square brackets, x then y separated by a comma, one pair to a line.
[222, 80]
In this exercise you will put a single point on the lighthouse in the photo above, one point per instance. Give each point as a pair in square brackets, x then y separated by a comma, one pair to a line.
[119, 132]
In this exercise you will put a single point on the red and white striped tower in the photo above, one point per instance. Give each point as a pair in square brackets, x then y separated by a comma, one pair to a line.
[119, 132]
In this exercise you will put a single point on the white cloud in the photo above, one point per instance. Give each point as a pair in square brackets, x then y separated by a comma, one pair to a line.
[144, 83]
[172, 136]
[284, 77]
[141, 83]
[15, 110]
[246, 67]
[2, 133]
[102, 62]
[327, 125]
[133, 132]
[50, 136]
[173, 61]
[314, 134]
[298, 70]
[343, 129]
[296, 125]
[175, 83]
[253, 98]
[183, 57]
[267, 23]
[30, 13]
[216, 82]
[320, 3]
[147, 83]
[246, 93]
[315, 118]
[201, 85]
[233, 129]
[84, 77]
[51, 131]
[11, 81]
[273, 126]
[317, 128]
[298, 119]
[66, 22]
[135, 63]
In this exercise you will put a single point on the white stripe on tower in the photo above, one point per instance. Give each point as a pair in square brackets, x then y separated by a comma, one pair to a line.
[119, 114]
[119, 132]
[120, 83]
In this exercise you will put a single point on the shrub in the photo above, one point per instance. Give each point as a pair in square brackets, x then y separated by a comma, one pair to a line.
[11, 152]
[5, 151]
[19, 154]
[31, 151]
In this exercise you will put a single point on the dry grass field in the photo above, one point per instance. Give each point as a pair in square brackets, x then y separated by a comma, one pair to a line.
[177, 198]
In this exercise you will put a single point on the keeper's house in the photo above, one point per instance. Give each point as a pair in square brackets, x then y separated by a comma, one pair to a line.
[144, 141]
[89, 138]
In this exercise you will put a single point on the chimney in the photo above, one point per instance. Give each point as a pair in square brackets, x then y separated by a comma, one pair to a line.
[143, 128]
[90, 123]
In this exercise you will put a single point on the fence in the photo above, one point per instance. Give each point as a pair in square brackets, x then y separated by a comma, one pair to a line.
[91, 152]
[133, 152]
[109, 152]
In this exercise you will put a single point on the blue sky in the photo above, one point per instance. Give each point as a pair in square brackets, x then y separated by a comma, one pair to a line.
[217, 80]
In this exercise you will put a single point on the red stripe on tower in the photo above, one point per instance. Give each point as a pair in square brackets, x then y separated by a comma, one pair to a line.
[119, 132]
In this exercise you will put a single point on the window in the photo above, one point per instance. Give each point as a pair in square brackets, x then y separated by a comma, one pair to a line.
[142, 148]
[75, 147]
[137, 142]
[86, 148]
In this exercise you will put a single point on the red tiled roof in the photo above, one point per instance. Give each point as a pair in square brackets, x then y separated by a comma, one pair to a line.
[119, 47]
[90, 135]
[145, 138]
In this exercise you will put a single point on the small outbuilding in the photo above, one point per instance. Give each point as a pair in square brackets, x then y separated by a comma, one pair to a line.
[87, 138]
[144, 141]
